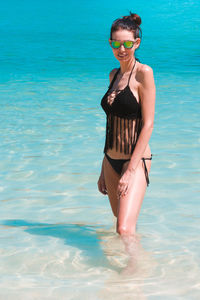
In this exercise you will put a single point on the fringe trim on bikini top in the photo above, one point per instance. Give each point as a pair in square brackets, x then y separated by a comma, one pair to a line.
[122, 123]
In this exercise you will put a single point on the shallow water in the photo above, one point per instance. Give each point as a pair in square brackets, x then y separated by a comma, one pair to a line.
[58, 238]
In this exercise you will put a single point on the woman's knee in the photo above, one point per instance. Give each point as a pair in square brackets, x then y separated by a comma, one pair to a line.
[126, 229]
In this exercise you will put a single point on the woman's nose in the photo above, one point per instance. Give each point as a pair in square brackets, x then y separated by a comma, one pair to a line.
[122, 47]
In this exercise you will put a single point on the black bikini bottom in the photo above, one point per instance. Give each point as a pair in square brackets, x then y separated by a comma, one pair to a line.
[117, 165]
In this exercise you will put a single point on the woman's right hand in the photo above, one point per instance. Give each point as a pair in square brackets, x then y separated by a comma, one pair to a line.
[101, 185]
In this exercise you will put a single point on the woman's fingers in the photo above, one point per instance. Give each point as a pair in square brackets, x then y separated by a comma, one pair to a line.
[122, 189]
[102, 186]
[103, 189]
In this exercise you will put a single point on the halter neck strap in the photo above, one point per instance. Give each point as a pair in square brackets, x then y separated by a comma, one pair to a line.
[115, 76]
[131, 72]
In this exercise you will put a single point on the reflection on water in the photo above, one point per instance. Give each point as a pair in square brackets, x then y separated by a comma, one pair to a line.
[122, 259]
[136, 264]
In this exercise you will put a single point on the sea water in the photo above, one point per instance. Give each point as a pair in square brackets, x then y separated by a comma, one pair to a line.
[58, 235]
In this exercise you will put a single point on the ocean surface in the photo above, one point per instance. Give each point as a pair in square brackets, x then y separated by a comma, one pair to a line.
[57, 232]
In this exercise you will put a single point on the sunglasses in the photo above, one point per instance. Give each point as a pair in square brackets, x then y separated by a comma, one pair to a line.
[127, 44]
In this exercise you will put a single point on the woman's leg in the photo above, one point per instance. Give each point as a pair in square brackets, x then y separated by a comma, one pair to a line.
[111, 180]
[130, 204]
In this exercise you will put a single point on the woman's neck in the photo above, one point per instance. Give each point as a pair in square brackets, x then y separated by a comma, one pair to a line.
[126, 67]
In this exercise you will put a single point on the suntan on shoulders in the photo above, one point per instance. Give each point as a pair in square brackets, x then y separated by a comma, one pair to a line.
[112, 74]
[145, 74]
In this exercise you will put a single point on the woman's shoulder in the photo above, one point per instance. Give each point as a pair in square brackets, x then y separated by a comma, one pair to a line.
[144, 69]
[144, 72]
[112, 73]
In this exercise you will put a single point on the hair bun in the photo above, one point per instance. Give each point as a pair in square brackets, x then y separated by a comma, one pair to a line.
[134, 17]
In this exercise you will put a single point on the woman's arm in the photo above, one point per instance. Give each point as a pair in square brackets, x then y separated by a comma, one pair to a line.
[111, 76]
[147, 94]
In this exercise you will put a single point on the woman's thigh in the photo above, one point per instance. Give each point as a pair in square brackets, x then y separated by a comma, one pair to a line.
[111, 181]
[130, 204]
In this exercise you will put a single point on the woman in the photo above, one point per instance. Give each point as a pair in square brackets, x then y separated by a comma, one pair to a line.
[129, 105]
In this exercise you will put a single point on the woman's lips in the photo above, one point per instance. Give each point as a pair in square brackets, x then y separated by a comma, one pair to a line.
[122, 55]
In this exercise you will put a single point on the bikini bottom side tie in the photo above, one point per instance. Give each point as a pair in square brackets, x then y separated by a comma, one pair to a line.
[117, 165]
[145, 168]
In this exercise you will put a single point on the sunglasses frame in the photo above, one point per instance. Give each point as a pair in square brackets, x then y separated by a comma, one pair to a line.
[121, 43]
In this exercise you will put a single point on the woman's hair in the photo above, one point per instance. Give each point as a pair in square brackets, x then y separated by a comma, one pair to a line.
[130, 23]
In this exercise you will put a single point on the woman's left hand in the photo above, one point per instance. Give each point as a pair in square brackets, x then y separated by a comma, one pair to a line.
[124, 183]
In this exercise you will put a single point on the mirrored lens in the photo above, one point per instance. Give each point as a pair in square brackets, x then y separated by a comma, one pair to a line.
[128, 44]
[115, 44]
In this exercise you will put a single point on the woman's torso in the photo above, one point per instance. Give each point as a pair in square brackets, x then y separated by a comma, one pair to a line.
[123, 101]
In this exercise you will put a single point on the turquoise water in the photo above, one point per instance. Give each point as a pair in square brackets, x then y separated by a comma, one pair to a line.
[58, 238]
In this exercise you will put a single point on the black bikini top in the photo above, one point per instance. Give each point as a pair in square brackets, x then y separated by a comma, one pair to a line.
[125, 103]
[120, 114]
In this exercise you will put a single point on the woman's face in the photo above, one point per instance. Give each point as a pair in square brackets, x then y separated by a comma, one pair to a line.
[123, 54]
